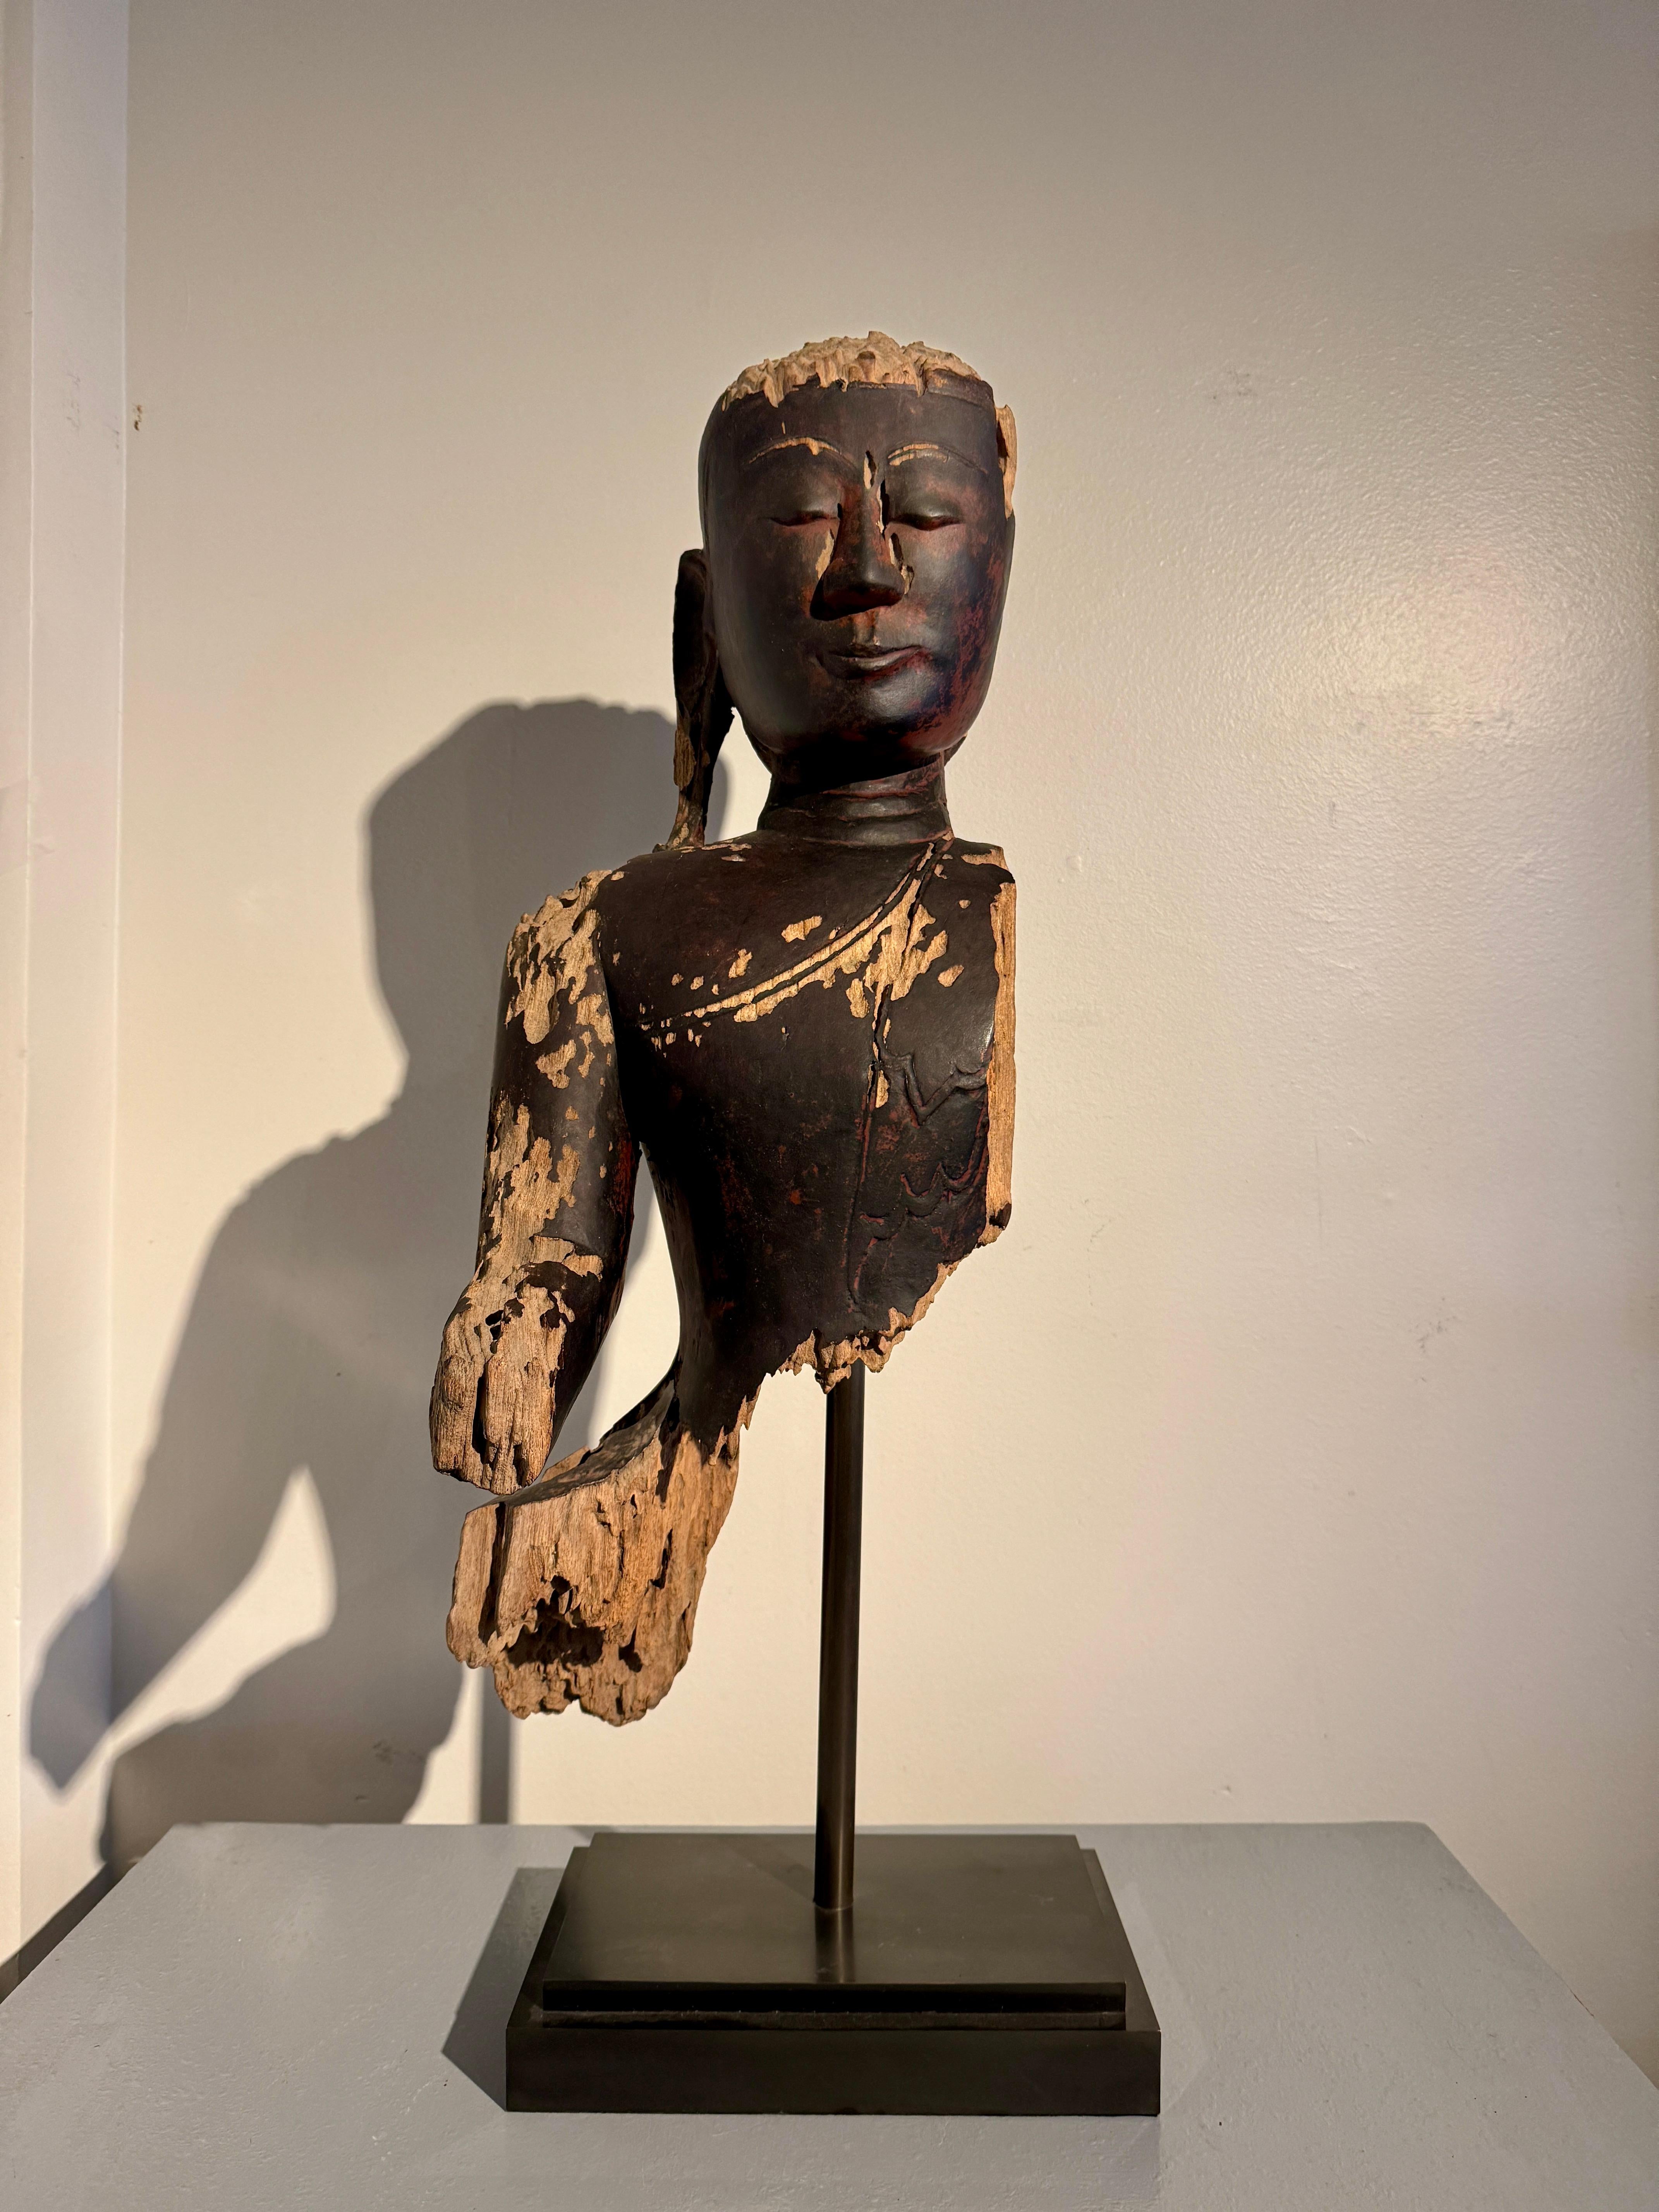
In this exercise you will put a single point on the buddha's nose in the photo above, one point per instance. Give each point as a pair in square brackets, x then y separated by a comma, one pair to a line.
[862, 571]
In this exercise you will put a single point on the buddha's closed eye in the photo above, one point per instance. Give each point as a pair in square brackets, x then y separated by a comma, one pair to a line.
[917, 513]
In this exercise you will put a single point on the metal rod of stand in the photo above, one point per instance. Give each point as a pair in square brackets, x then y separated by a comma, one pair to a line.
[838, 1644]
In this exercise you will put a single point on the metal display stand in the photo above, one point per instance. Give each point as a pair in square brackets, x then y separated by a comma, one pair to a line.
[749, 1973]
[838, 1644]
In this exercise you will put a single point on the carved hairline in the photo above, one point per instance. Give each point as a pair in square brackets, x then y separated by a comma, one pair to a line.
[875, 359]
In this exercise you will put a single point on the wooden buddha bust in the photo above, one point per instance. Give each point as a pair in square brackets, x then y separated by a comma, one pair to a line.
[808, 1031]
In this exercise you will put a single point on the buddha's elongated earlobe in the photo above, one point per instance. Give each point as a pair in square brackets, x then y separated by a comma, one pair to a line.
[702, 706]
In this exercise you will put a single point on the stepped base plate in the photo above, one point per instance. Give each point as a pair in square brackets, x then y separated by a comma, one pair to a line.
[691, 1973]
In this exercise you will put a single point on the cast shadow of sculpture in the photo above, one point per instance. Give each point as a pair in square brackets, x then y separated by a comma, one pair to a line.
[476, 2042]
[310, 1337]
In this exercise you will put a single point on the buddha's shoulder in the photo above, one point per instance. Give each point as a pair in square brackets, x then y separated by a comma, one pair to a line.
[990, 860]
[672, 881]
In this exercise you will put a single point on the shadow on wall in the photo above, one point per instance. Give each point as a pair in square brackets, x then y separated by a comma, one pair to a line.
[314, 1329]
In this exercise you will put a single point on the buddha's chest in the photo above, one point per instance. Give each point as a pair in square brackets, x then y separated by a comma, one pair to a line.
[807, 1067]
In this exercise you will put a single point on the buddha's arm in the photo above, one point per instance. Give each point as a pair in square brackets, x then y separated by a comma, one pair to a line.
[558, 1203]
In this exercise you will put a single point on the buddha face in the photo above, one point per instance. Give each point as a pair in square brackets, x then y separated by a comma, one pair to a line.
[857, 561]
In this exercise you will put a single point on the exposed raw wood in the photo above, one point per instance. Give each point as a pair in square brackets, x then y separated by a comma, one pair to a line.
[999, 1073]
[556, 1213]
[586, 1591]
[875, 359]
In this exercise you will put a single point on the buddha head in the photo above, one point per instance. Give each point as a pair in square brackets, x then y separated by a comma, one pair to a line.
[857, 503]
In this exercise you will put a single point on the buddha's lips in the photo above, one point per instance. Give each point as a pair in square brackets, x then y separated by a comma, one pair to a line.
[869, 660]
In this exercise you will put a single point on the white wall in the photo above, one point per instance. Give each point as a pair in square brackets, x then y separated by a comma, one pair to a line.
[62, 474]
[1292, 1458]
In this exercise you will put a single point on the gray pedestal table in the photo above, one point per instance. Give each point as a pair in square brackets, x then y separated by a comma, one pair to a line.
[302, 2017]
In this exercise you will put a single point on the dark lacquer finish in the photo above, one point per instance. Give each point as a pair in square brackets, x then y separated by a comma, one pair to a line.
[803, 1035]
[807, 1031]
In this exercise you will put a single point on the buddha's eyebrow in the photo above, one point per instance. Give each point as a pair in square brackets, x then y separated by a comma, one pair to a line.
[814, 446]
[943, 452]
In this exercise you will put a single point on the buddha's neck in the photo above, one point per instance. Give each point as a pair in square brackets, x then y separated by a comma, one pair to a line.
[895, 810]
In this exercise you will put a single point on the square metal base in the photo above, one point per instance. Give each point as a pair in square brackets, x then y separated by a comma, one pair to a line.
[691, 1973]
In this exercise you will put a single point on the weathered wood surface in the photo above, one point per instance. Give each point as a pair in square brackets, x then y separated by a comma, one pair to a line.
[808, 1031]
